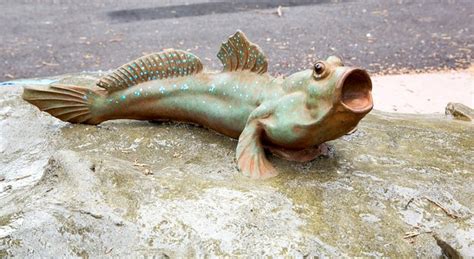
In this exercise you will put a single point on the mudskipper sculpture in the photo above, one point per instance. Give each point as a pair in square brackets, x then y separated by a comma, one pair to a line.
[291, 116]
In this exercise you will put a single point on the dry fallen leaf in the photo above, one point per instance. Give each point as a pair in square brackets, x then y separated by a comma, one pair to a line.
[279, 11]
[49, 64]
[135, 163]
[115, 40]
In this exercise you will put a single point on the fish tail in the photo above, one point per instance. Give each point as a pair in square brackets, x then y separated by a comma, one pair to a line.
[70, 103]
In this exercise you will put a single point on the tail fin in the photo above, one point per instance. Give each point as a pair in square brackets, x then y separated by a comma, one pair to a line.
[66, 102]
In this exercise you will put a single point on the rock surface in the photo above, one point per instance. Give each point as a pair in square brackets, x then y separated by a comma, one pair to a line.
[140, 188]
[460, 111]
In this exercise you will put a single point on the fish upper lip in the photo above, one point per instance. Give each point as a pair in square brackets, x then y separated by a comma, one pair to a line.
[355, 91]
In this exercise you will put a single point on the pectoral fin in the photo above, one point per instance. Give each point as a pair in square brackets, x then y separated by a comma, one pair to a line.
[251, 158]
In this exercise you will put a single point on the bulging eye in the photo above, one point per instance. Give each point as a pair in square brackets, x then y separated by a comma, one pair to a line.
[335, 60]
[319, 70]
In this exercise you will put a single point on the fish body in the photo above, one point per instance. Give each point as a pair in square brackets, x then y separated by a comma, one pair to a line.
[292, 116]
[219, 101]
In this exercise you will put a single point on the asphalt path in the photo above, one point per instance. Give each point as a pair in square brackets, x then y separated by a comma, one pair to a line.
[50, 37]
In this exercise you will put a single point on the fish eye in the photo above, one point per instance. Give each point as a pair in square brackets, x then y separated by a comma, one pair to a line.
[319, 70]
[335, 60]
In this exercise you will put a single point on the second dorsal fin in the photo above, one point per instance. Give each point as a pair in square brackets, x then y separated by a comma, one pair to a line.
[238, 53]
[166, 64]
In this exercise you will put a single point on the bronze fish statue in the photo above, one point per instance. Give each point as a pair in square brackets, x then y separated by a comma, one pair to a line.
[290, 116]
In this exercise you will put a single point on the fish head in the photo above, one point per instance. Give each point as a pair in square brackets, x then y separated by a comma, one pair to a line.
[340, 97]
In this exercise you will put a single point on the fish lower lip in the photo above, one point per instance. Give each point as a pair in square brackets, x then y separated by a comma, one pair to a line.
[356, 91]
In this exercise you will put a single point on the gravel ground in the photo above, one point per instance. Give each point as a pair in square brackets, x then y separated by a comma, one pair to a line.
[50, 37]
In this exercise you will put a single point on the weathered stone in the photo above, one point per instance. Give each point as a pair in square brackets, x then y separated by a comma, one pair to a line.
[448, 250]
[460, 111]
[135, 188]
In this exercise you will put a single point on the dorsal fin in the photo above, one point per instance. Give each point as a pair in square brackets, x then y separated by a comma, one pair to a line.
[238, 53]
[166, 64]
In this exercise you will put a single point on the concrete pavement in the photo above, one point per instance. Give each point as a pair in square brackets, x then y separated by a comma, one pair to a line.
[48, 37]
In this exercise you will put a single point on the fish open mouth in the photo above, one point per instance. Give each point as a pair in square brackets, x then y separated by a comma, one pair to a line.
[356, 91]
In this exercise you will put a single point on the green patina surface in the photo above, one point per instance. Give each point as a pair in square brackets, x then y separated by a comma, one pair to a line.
[291, 115]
